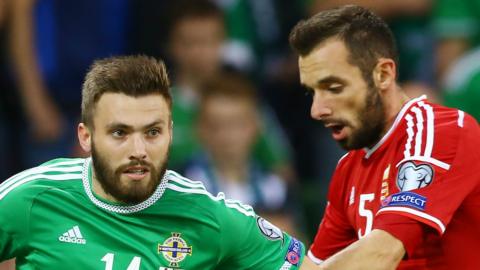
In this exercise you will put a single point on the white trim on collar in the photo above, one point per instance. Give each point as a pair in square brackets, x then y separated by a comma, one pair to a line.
[121, 209]
[399, 117]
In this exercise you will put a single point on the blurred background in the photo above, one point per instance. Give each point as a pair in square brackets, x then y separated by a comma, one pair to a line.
[242, 121]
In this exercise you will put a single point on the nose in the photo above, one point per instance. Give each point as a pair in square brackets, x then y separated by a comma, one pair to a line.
[319, 108]
[139, 150]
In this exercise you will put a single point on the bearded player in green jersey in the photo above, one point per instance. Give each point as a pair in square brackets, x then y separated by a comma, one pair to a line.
[121, 209]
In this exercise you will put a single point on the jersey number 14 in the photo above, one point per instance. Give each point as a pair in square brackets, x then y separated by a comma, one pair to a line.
[109, 257]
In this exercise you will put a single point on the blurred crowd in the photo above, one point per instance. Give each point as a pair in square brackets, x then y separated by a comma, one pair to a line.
[241, 118]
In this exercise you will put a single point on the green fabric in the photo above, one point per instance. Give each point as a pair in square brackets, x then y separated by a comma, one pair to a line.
[414, 41]
[185, 142]
[49, 219]
[466, 97]
[457, 19]
[270, 151]
[239, 22]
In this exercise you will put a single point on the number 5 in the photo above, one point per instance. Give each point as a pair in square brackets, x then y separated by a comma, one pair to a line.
[368, 214]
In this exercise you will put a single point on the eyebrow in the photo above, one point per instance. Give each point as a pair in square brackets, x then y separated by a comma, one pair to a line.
[116, 125]
[331, 79]
[327, 80]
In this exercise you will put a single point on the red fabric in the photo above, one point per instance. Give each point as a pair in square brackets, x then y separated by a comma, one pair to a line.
[427, 142]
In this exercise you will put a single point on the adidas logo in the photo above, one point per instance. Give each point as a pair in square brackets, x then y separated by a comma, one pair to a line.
[73, 236]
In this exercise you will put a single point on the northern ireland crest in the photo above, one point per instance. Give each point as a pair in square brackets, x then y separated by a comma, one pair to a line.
[175, 249]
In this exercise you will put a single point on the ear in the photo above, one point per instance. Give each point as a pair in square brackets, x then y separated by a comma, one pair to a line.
[84, 137]
[384, 73]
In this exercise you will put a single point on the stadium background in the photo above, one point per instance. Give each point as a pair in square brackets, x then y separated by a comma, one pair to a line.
[46, 47]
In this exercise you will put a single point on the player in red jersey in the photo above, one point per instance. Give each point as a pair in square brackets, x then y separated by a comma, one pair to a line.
[407, 194]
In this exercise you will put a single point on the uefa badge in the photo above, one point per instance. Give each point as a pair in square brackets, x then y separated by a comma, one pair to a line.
[411, 176]
[174, 249]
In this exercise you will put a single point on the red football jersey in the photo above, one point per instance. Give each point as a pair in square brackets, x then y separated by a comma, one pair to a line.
[421, 183]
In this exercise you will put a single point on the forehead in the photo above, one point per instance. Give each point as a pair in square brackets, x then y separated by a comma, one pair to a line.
[227, 103]
[195, 26]
[128, 110]
[222, 107]
[329, 58]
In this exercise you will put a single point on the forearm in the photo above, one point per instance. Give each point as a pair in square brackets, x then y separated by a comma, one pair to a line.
[377, 251]
[21, 44]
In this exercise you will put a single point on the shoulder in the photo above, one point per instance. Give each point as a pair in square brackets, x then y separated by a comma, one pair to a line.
[194, 192]
[433, 132]
[52, 174]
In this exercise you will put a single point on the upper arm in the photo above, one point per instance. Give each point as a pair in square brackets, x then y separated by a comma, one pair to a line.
[14, 213]
[251, 242]
[442, 182]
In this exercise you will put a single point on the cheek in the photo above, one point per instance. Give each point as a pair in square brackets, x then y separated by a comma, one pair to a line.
[110, 148]
[160, 146]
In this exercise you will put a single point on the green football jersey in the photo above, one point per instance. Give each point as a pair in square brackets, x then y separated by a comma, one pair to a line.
[51, 219]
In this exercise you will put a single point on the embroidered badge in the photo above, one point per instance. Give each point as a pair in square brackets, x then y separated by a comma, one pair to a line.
[410, 199]
[174, 249]
[411, 176]
[294, 252]
[271, 231]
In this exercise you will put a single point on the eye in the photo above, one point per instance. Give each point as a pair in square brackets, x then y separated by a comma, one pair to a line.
[153, 132]
[118, 133]
[335, 88]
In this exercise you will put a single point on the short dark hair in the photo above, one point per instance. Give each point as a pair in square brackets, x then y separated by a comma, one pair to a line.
[231, 85]
[365, 34]
[130, 75]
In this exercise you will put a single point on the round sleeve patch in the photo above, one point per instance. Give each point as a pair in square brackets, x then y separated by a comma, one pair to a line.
[270, 231]
[411, 176]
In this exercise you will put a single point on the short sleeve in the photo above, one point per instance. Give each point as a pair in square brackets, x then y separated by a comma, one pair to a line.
[439, 188]
[251, 242]
[335, 231]
[334, 234]
[14, 208]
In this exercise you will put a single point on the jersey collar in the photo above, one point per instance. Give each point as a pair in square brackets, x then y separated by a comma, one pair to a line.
[405, 107]
[120, 209]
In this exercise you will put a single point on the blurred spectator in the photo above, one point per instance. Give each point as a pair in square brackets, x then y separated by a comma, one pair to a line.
[5, 166]
[3, 86]
[228, 125]
[410, 23]
[52, 44]
[196, 39]
[457, 27]
[461, 88]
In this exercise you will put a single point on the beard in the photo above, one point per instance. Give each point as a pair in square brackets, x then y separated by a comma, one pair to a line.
[371, 119]
[131, 192]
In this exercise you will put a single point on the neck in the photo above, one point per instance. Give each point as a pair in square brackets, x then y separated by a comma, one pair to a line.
[393, 103]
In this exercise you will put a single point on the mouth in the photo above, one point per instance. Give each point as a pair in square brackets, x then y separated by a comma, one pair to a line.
[338, 131]
[136, 172]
